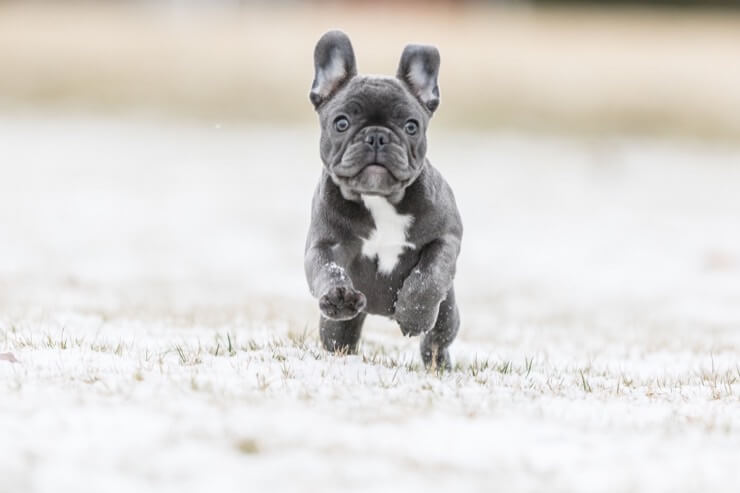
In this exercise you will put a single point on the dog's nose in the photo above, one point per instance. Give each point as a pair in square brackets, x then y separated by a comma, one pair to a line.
[376, 139]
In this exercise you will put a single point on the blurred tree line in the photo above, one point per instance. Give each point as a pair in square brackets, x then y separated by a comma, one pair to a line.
[642, 3]
[697, 4]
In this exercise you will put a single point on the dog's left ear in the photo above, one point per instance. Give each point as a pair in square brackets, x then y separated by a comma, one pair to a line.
[419, 68]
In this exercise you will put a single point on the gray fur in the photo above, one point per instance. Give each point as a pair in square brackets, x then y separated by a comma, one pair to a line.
[418, 292]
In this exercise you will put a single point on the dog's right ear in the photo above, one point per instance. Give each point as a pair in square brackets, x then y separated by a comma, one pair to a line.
[334, 64]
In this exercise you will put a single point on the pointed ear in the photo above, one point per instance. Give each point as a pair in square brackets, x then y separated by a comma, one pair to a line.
[419, 68]
[334, 64]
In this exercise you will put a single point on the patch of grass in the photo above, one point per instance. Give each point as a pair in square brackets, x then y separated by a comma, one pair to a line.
[584, 382]
[476, 367]
[286, 371]
[299, 341]
[528, 363]
[504, 367]
[247, 446]
[181, 353]
[230, 347]
[188, 358]
[262, 382]
[251, 345]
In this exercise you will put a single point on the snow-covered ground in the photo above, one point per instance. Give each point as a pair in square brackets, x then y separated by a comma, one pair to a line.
[151, 287]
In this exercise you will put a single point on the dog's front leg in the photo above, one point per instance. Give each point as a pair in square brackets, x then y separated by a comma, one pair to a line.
[328, 281]
[340, 303]
[427, 286]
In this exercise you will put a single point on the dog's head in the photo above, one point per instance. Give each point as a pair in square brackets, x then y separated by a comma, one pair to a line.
[373, 128]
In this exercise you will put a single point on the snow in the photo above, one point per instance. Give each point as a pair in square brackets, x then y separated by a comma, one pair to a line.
[152, 291]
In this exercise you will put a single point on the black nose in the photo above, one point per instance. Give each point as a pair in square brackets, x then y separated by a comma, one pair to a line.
[376, 139]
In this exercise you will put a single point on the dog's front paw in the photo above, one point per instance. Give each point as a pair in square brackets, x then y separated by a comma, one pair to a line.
[342, 303]
[416, 317]
[417, 305]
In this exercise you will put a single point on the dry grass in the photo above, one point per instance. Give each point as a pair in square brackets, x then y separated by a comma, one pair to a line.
[565, 70]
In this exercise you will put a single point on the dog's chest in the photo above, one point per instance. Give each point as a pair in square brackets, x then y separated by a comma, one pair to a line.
[388, 240]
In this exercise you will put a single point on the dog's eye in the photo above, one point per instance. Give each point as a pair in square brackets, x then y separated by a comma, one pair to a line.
[341, 124]
[411, 127]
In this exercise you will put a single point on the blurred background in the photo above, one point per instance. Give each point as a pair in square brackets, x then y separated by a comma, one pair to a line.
[640, 67]
[157, 163]
[159, 157]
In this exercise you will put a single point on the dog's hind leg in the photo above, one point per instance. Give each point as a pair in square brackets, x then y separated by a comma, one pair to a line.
[435, 343]
[341, 336]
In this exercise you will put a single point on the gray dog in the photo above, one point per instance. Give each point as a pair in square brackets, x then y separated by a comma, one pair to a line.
[385, 231]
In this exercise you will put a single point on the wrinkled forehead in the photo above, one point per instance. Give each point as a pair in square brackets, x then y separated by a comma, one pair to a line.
[383, 96]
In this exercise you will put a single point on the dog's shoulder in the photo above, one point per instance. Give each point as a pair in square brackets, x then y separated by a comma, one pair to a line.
[432, 197]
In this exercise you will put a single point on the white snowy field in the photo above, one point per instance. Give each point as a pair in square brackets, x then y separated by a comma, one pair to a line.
[152, 290]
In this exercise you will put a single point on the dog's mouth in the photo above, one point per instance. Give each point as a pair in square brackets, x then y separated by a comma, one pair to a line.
[374, 179]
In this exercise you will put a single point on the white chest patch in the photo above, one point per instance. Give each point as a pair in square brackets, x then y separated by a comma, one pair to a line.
[388, 239]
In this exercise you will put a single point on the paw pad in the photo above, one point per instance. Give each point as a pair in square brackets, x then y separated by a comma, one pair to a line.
[342, 303]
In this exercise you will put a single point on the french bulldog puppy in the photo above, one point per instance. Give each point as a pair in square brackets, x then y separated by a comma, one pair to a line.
[385, 231]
